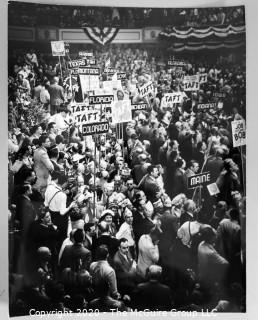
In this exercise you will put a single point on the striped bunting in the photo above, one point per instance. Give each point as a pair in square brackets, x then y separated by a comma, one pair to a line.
[100, 36]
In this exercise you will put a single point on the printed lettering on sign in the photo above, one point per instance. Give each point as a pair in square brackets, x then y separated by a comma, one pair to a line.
[89, 71]
[110, 70]
[85, 54]
[197, 180]
[206, 106]
[139, 107]
[104, 99]
[95, 128]
[170, 98]
[176, 63]
[203, 77]
[76, 63]
[191, 83]
[238, 133]
[146, 89]
[219, 94]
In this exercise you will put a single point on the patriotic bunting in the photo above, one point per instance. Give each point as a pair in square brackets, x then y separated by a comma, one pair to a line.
[100, 36]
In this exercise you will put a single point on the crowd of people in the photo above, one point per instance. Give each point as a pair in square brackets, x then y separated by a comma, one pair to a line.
[108, 221]
[60, 16]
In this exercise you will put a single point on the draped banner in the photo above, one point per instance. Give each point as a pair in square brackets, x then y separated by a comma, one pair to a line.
[200, 33]
[211, 45]
[99, 35]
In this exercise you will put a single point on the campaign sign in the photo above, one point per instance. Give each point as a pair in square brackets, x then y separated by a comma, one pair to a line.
[191, 83]
[101, 99]
[76, 63]
[58, 48]
[197, 180]
[83, 113]
[238, 133]
[91, 62]
[203, 78]
[219, 94]
[119, 76]
[89, 129]
[139, 107]
[206, 106]
[176, 63]
[110, 70]
[121, 111]
[85, 54]
[89, 71]
[146, 89]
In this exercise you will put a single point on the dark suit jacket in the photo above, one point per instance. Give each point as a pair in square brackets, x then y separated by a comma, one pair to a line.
[71, 255]
[151, 188]
[56, 94]
[152, 295]
[111, 242]
[180, 182]
[122, 266]
[25, 213]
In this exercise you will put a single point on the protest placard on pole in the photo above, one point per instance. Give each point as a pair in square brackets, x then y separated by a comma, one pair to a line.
[58, 48]
[206, 106]
[238, 133]
[139, 107]
[85, 54]
[75, 64]
[95, 128]
[203, 77]
[147, 89]
[169, 99]
[197, 180]
[89, 78]
[103, 102]
[213, 189]
[121, 111]
[176, 63]
[191, 83]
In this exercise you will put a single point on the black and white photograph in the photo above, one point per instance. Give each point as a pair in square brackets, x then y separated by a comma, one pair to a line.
[126, 159]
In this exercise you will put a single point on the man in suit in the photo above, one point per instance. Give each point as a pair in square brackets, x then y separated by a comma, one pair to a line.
[76, 251]
[125, 268]
[42, 164]
[153, 295]
[180, 179]
[90, 235]
[149, 184]
[56, 95]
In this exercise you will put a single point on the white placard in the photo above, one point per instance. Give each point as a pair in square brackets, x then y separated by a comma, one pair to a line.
[58, 48]
[191, 83]
[238, 133]
[89, 82]
[121, 111]
[213, 189]
[146, 89]
[170, 98]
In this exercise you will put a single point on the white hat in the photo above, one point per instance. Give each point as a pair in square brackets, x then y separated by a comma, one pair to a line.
[105, 213]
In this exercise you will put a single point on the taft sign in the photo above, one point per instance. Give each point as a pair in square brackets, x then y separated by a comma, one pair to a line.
[89, 129]
[201, 179]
